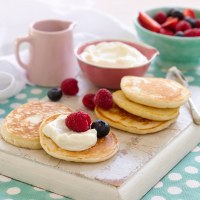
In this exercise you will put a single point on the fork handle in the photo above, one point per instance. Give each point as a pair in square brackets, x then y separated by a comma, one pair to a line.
[194, 112]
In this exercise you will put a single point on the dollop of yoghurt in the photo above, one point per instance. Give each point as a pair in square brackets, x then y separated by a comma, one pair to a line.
[68, 139]
[113, 54]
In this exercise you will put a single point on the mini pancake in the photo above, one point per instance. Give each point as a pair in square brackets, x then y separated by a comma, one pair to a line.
[154, 92]
[122, 120]
[157, 114]
[21, 126]
[104, 149]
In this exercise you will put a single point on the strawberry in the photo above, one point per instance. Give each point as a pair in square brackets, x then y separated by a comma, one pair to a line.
[147, 22]
[166, 31]
[189, 13]
[170, 23]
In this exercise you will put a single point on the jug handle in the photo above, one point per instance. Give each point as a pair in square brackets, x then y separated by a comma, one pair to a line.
[18, 43]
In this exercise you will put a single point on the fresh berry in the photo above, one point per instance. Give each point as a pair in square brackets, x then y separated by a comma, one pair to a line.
[194, 32]
[177, 14]
[160, 17]
[147, 22]
[88, 101]
[182, 26]
[70, 86]
[166, 31]
[190, 20]
[103, 99]
[170, 23]
[169, 13]
[189, 13]
[101, 127]
[54, 94]
[197, 23]
[78, 121]
[179, 33]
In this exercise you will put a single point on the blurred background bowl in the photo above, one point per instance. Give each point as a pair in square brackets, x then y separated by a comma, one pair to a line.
[110, 77]
[183, 52]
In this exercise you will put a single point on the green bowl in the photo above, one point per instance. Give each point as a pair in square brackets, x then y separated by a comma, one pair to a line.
[183, 52]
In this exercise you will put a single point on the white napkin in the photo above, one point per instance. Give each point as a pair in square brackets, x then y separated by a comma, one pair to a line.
[91, 24]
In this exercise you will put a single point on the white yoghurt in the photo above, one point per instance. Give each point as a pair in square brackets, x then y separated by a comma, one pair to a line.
[68, 139]
[113, 54]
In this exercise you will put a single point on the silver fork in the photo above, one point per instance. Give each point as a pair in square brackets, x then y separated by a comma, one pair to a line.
[175, 74]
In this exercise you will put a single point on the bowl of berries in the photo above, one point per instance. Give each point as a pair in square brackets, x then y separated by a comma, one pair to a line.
[175, 32]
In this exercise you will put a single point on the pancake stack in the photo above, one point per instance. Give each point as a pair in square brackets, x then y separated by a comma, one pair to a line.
[145, 105]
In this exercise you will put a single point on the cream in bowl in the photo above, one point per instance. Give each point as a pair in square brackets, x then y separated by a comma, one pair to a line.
[104, 62]
[113, 55]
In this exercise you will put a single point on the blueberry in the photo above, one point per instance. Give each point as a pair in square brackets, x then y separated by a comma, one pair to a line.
[101, 127]
[190, 20]
[176, 13]
[179, 33]
[54, 94]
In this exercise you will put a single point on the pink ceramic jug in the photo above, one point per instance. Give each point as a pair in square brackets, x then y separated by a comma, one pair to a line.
[51, 53]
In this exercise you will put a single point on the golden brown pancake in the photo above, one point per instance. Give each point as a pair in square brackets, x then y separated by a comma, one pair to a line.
[21, 126]
[120, 119]
[147, 112]
[154, 92]
[104, 149]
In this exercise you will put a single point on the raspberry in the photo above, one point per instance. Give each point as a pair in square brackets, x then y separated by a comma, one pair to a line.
[197, 23]
[160, 17]
[70, 86]
[88, 101]
[166, 31]
[182, 26]
[194, 32]
[78, 121]
[103, 99]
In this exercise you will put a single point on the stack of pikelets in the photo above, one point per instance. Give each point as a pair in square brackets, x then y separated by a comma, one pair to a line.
[145, 105]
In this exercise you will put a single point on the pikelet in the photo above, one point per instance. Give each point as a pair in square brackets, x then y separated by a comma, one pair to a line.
[147, 112]
[105, 147]
[120, 119]
[21, 126]
[154, 92]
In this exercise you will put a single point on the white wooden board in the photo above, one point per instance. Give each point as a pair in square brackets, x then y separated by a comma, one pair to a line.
[140, 163]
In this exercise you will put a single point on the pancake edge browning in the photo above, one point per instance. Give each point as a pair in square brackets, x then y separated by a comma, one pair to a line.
[163, 125]
[104, 149]
[29, 143]
[147, 112]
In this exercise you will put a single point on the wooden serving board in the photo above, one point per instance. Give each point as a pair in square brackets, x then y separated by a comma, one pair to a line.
[141, 162]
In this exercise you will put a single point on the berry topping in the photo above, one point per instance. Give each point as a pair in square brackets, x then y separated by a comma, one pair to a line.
[190, 20]
[101, 127]
[179, 33]
[182, 26]
[54, 94]
[78, 121]
[148, 22]
[166, 31]
[174, 22]
[189, 13]
[170, 23]
[194, 32]
[160, 17]
[177, 13]
[88, 101]
[70, 86]
[103, 99]
[197, 23]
